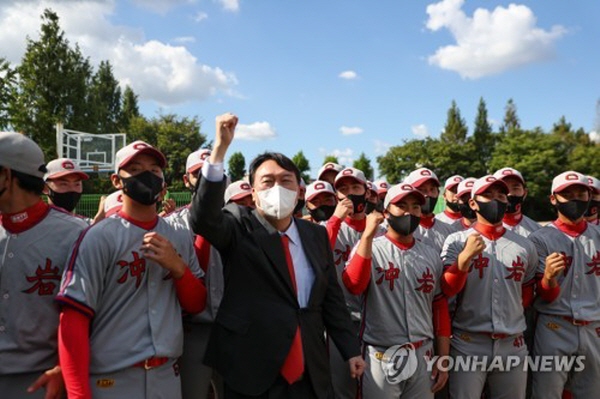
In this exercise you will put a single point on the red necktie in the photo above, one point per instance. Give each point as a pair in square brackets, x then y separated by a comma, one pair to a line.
[293, 366]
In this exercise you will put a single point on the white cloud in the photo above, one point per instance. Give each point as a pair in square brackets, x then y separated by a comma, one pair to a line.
[595, 137]
[490, 42]
[200, 16]
[380, 147]
[162, 6]
[349, 75]
[230, 5]
[185, 39]
[157, 71]
[420, 131]
[256, 131]
[344, 156]
[347, 130]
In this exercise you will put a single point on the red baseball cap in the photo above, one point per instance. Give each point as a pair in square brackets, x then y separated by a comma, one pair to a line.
[329, 166]
[318, 187]
[196, 159]
[237, 190]
[62, 167]
[399, 191]
[452, 182]
[354, 173]
[417, 177]
[504, 173]
[568, 179]
[465, 186]
[127, 153]
[483, 183]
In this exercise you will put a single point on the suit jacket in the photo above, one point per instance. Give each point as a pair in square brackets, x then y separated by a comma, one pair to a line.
[259, 312]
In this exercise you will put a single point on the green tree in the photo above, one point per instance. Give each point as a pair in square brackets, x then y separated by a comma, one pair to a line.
[483, 140]
[511, 120]
[52, 86]
[331, 158]
[303, 165]
[363, 163]
[455, 130]
[400, 160]
[129, 109]
[8, 82]
[104, 100]
[236, 166]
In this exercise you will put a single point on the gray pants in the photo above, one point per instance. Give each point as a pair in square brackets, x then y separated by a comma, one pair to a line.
[137, 383]
[555, 336]
[503, 383]
[195, 376]
[14, 386]
[375, 385]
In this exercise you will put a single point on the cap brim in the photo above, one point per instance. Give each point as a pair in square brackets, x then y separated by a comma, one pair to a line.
[337, 181]
[58, 175]
[313, 195]
[195, 168]
[401, 196]
[484, 188]
[519, 178]
[419, 182]
[451, 186]
[162, 161]
[239, 196]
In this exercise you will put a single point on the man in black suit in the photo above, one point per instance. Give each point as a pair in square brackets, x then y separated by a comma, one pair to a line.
[281, 290]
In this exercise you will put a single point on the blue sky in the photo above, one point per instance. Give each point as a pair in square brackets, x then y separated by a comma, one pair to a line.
[336, 77]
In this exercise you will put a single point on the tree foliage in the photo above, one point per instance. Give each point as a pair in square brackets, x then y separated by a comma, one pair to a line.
[363, 163]
[331, 158]
[236, 166]
[303, 165]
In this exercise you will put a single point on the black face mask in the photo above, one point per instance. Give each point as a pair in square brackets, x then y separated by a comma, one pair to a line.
[492, 211]
[592, 208]
[299, 205]
[454, 206]
[322, 213]
[573, 209]
[143, 188]
[67, 201]
[405, 224]
[359, 202]
[466, 211]
[514, 203]
[429, 205]
[374, 206]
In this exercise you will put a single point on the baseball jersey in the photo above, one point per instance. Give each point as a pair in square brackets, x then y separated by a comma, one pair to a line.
[31, 267]
[580, 281]
[523, 227]
[397, 305]
[434, 235]
[347, 239]
[491, 300]
[131, 301]
[445, 218]
[213, 279]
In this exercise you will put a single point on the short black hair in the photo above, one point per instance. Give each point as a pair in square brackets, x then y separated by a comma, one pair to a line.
[279, 158]
[29, 183]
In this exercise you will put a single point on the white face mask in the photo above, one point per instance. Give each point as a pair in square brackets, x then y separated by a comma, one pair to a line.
[277, 202]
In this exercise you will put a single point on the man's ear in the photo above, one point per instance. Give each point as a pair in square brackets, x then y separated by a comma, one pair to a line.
[553, 200]
[116, 181]
[46, 189]
[186, 180]
[473, 205]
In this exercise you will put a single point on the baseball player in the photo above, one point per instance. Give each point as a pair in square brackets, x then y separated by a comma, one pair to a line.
[493, 271]
[299, 208]
[239, 192]
[113, 203]
[329, 171]
[451, 214]
[382, 188]
[372, 199]
[64, 183]
[350, 183]
[517, 191]
[568, 286]
[463, 194]
[592, 215]
[196, 378]
[127, 281]
[35, 242]
[430, 230]
[403, 306]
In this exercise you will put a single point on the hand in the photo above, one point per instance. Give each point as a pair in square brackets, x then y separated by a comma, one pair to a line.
[374, 219]
[52, 381]
[555, 264]
[160, 250]
[357, 366]
[473, 247]
[100, 214]
[440, 377]
[225, 128]
[343, 208]
[168, 206]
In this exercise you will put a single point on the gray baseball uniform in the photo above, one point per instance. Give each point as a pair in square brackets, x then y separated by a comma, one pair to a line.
[128, 296]
[436, 234]
[524, 227]
[397, 309]
[31, 265]
[570, 324]
[451, 221]
[488, 319]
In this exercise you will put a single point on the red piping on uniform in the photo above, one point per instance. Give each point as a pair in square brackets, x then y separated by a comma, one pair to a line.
[573, 230]
[142, 225]
[69, 272]
[489, 231]
[453, 215]
[357, 274]
[512, 219]
[19, 222]
[427, 221]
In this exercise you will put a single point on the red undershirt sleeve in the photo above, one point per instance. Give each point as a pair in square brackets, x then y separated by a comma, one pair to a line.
[202, 248]
[548, 294]
[357, 274]
[527, 295]
[74, 352]
[453, 280]
[333, 228]
[441, 317]
[191, 292]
